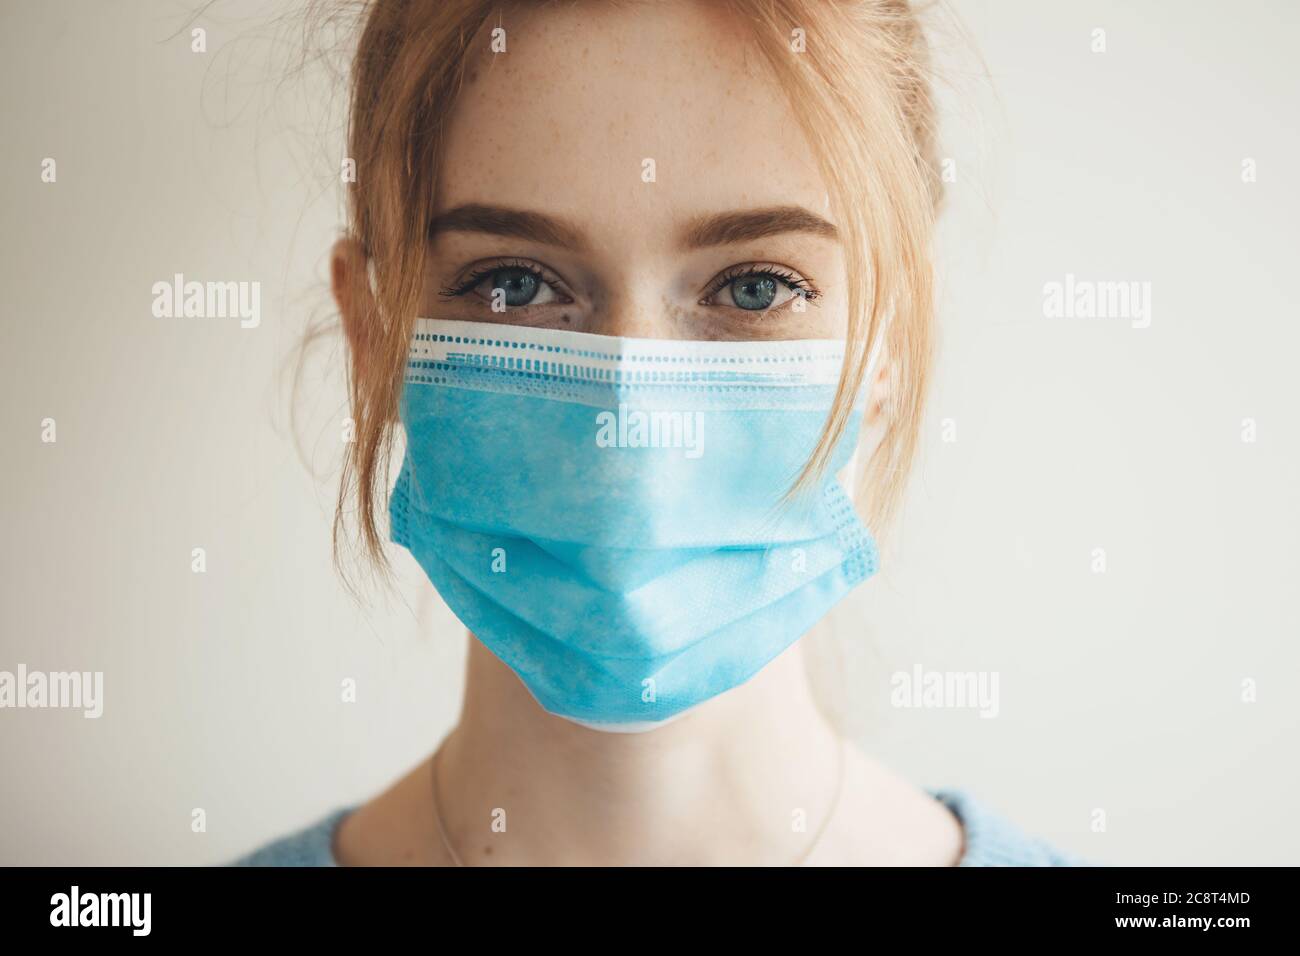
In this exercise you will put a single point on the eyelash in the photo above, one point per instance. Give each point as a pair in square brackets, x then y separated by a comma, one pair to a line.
[475, 278]
[800, 285]
[727, 276]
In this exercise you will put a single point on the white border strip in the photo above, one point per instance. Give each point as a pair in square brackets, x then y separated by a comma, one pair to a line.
[796, 361]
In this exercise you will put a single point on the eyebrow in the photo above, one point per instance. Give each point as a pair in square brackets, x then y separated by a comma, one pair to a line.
[717, 229]
[513, 223]
[728, 227]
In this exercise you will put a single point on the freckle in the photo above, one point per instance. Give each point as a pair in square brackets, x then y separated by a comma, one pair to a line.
[487, 851]
[565, 320]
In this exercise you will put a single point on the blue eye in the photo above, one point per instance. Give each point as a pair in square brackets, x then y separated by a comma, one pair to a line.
[757, 288]
[519, 285]
[522, 283]
[753, 291]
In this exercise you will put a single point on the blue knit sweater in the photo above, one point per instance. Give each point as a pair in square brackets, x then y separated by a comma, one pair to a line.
[990, 840]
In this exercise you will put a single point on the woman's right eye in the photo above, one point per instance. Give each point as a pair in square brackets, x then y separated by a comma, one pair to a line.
[513, 285]
[516, 286]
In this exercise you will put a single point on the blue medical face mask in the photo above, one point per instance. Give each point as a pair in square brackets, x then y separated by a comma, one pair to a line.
[605, 514]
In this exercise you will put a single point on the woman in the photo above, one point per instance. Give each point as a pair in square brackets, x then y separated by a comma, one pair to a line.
[647, 289]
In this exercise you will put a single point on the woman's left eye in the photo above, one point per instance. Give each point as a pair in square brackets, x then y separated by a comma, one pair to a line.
[757, 289]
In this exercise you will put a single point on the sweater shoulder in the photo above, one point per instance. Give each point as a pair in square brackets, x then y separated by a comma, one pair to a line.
[993, 840]
[990, 839]
[312, 845]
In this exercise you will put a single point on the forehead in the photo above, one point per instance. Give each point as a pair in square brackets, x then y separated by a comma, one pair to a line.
[565, 120]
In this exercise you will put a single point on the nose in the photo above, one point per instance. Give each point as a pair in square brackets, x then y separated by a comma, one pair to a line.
[639, 311]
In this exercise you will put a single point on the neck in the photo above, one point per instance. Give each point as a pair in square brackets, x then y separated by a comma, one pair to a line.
[745, 778]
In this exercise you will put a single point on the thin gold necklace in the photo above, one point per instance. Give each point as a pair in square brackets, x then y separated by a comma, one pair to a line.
[437, 813]
[817, 837]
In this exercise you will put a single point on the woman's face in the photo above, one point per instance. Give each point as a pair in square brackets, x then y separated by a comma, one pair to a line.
[632, 171]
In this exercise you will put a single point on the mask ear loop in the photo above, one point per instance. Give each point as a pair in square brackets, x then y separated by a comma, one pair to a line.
[848, 475]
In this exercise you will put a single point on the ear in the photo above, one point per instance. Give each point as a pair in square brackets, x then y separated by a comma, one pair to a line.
[350, 283]
[880, 386]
